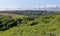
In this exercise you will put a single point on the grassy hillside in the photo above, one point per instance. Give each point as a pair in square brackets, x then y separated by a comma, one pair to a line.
[12, 15]
[29, 26]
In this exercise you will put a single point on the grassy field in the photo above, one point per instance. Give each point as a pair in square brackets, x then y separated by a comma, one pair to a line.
[12, 15]
[20, 25]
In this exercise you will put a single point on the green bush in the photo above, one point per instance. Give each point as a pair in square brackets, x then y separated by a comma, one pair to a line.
[28, 26]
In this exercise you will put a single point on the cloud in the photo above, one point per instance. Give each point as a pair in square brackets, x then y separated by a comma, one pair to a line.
[2, 7]
[51, 6]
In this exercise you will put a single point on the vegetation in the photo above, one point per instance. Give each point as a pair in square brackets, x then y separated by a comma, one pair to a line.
[44, 25]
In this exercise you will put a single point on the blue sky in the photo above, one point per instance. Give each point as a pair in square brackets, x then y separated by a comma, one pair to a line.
[29, 2]
[5, 4]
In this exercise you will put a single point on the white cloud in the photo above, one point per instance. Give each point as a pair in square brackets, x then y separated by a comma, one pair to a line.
[2, 7]
[49, 6]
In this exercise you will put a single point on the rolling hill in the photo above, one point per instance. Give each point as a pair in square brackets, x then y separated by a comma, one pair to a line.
[29, 26]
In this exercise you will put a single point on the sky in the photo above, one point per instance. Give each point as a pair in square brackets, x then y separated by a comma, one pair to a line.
[27, 3]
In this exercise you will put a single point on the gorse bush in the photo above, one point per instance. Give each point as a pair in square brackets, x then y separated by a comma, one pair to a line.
[7, 22]
[30, 26]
